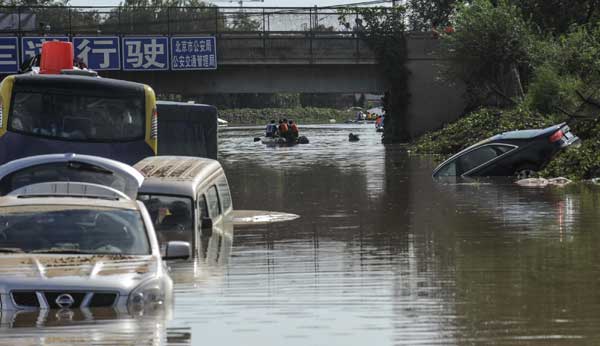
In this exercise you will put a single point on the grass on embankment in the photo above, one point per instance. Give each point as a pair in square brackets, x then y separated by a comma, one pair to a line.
[576, 163]
[307, 115]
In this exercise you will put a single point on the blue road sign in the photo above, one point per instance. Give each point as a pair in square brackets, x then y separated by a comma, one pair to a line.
[145, 53]
[9, 55]
[32, 45]
[98, 53]
[193, 53]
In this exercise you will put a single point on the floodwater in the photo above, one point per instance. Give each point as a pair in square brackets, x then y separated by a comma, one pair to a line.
[381, 255]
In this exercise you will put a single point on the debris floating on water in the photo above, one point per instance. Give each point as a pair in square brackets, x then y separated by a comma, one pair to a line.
[560, 181]
[533, 182]
[260, 217]
[542, 182]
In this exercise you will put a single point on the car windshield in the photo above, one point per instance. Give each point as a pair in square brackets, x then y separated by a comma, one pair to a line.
[172, 216]
[68, 116]
[72, 229]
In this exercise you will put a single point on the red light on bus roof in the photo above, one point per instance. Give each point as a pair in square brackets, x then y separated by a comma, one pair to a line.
[56, 56]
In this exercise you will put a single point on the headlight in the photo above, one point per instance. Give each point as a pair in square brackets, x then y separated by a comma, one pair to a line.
[148, 294]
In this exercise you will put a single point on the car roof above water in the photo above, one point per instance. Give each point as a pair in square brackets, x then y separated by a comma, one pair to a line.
[48, 201]
[176, 175]
[526, 134]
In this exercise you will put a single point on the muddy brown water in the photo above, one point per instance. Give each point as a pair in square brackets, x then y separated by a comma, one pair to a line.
[381, 255]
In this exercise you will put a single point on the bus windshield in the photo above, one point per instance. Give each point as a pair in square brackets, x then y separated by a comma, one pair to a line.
[69, 116]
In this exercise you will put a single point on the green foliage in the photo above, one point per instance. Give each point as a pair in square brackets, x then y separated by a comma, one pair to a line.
[424, 15]
[308, 115]
[490, 44]
[581, 162]
[34, 3]
[550, 91]
[558, 16]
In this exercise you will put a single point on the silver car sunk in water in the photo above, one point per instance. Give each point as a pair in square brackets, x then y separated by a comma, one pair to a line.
[76, 244]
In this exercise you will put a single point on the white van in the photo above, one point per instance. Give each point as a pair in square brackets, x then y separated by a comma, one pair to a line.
[187, 198]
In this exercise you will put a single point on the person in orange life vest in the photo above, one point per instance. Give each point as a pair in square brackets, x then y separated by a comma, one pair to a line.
[283, 128]
[293, 130]
[379, 120]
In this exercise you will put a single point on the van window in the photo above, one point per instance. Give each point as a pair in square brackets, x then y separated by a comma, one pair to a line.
[202, 207]
[224, 193]
[214, 207]
[171, 215]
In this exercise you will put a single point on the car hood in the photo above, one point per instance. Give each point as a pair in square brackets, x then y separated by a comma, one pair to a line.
[97, 272]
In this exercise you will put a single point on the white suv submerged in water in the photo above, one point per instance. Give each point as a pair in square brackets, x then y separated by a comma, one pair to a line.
[76, 244]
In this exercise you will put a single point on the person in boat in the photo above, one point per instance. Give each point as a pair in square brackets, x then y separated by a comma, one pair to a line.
[283, 128]
[271, 129]
[293, 131]
[378, 121]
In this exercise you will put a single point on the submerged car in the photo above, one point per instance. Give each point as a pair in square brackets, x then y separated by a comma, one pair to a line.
[187, 197]
[78, 245]
[515, 153]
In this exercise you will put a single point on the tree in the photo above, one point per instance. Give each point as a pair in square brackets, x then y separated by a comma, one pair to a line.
[384, 31]
[34, 3]
[490, 46]
[425, 15]
[558, 16]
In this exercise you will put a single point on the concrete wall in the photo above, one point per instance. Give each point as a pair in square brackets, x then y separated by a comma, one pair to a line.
[232, 79]
[433, 102]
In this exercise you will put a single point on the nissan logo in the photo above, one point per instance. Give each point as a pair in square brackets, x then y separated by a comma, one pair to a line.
[64, 301]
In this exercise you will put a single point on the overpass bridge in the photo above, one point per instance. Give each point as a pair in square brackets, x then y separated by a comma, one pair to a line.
[259, 50]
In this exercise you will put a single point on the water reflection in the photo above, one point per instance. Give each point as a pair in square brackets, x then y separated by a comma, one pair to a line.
[381, 255]
[81, 327]
[384, 255]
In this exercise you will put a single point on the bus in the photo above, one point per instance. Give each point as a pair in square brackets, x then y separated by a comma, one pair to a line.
[57, 108]
[187, 129]
[59, 113]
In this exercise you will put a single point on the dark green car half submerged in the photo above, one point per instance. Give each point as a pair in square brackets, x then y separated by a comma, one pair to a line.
[514, 153]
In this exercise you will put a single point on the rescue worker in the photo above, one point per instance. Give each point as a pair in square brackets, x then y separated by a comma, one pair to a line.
[283, 128]
[271, 129]
[293, 130]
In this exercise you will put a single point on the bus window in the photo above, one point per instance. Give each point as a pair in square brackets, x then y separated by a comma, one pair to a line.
[68, 116]
[214, 207]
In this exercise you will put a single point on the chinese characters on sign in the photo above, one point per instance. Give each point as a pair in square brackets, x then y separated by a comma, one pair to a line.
[8, 55]
[145, 53]
[32, 46]
[193, 53]
[98, 53]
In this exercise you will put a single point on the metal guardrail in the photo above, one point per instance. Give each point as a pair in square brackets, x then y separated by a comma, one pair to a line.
[124, 20]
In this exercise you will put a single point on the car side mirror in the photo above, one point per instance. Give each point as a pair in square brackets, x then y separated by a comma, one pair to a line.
[177, 250]
[206, 226]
